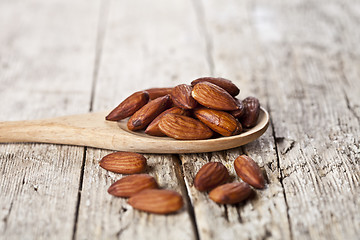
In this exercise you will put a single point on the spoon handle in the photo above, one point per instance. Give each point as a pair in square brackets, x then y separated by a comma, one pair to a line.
[27, 131]
[84, 130]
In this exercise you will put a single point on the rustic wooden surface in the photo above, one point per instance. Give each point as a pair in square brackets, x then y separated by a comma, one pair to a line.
[300, 58]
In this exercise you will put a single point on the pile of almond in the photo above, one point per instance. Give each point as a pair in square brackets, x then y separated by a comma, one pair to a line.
[189, 112]
[214, 176]
[144, 193]
[141, 189]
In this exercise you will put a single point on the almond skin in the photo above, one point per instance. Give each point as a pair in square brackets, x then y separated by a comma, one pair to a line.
[248, 170]
[157, 201]
[158, 92]
[213, 96]
[129, 106]
[132, 184]
[153, 128]
[252, 111]
[230, 193]
[181, 97]
[124, 162]
[183, 127]
[226, 84]
[147, 113]
[239, 112]
[219, 121]
[210, 176]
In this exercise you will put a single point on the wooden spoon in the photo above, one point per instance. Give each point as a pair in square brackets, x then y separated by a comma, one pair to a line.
[94, 131]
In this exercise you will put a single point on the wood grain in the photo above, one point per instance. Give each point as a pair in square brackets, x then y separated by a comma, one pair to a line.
[315, 125]
[45, 68]
[146, 45]
[300, 58]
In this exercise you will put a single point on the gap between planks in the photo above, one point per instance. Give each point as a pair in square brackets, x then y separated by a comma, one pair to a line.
[281, 174]
[99, 43]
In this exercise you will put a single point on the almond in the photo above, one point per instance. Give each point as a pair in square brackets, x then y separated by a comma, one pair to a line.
[158, 92]
[239, 112]
[157, 201]
[226, 84]
[147, 113]
[153, 128]
[219, 121]
[213, 96]
[252, 111]
[247, 169]
[181, 97]
[231, 193]
[124, 162]
[129, 106]
[130, 185]
[183, 127]
[211, 175]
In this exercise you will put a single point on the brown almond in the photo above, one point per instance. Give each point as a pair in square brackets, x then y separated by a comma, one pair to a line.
[147, 113]
[230, 193]
[157, 201]
[213, 96]
[129, 106]
[248, 170]
[239, 112]
[153, 128]
[219, 121]
[183, 127]
[132, 184]
[124, 162]
[181, 97]
[226, 84]
[158, 92]
[251, 113]
[210, 176]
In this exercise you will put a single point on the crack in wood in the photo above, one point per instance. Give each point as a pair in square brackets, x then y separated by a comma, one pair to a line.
[200, 14]
[351, 109]
[81, 180]
[181, 176]
[286, 143]
[6, 217]
[100, 36]
[226, 214]
[281, 175]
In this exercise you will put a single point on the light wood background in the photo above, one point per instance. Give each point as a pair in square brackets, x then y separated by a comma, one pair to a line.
[301, 58]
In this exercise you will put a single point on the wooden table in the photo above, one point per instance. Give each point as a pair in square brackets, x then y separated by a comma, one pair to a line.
[301, 58]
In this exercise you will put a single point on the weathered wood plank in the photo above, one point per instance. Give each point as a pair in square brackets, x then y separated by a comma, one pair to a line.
[293, 51]
[234, 56]
[46, 61]
[317, 134]
[146, 45]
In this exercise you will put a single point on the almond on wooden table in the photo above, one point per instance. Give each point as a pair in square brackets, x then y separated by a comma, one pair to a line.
[124, 162]
[157, 201]
[132, 184]
[147, 113]
[230, 193]
[226, 84]
[248, 170]
[129, 106]
[211, 175]
[153, 128]
[181, 97]
[213, 96]
[183, 127]
[158, 92]
[219, 121]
